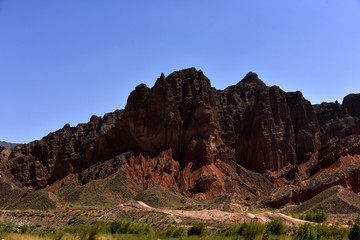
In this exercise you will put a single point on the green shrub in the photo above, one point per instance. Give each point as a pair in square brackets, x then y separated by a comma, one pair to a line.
[331, 232]
[124, 226]
[309, 216]
[232, 231]
[9, 227]
[301, 216]
[307, 232]
[354, 233]
[267, 235]
[24, 229]
[169, 232]
[119, 226]
[179, 232]
[92, 231]
[277, 227]
[148, 229]
[82, 231]
[199, 229]
[357, 220]
[251, 230]
[320, 217]
[136, 228]
[47, 231]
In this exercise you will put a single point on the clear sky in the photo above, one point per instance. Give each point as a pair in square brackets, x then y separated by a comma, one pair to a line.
[62, 61]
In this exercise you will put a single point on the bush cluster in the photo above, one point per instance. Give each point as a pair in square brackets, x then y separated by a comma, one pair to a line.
[247, 230]
[331, 232]
[277, 227]
[83, 231]
[176, 232]
[307, 232]
[125, 226]
[252, 230]
[318, 216]
[199, 229]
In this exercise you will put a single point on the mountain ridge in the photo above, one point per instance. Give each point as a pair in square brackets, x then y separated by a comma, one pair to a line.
[7, 144]
[185, 136]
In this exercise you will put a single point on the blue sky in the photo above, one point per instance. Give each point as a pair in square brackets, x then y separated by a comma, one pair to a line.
[63, 61]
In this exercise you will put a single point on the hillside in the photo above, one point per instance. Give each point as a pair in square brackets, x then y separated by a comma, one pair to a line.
[7, 144]
[248, 144]
[336, 200]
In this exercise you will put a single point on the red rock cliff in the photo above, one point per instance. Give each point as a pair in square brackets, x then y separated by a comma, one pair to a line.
[200, 135]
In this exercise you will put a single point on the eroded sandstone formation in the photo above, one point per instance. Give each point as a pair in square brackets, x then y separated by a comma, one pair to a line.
[186, 136]
[60, 153]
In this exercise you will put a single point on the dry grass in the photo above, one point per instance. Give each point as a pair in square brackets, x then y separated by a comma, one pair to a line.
[17, 236]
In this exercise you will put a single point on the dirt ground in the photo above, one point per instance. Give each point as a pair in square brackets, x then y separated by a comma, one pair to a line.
[139, 211]
[212, 214]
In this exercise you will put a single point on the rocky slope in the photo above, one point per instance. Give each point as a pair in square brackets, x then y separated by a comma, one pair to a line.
[257, 143]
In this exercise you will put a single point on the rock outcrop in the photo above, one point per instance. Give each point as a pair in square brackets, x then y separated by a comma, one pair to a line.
[185, 136]
[256, 122]
[179, 112]
[351, 105]
[58, 154]
[305, 124]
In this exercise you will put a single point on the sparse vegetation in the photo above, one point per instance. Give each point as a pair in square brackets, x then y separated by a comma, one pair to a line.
[36, 200]
[83, 226]
[336, 200]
